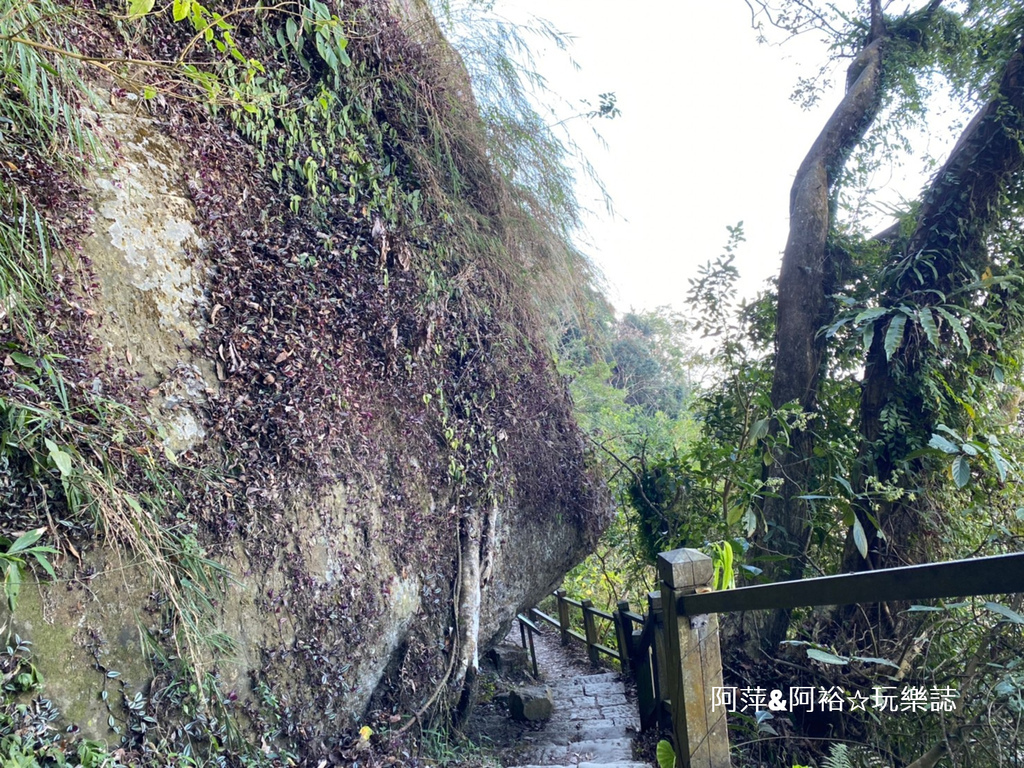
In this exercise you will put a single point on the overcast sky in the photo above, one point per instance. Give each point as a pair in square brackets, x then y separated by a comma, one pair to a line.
[708, 135]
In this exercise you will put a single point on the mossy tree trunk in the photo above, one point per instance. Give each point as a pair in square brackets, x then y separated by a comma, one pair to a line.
[946, 251]
[807, 278]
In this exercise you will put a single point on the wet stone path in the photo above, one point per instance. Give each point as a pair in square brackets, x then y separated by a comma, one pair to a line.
[594, 718]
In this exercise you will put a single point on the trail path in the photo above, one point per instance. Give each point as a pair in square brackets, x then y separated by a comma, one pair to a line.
[594, 717]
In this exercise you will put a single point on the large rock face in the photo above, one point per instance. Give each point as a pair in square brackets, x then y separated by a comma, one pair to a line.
[390, 475]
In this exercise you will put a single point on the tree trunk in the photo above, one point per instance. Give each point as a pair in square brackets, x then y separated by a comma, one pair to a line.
[477, 543]
[805, 281]
[948, 250]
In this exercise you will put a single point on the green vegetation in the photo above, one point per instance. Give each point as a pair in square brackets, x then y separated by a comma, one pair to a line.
[14, 560]
[630, 389]
[863, 413]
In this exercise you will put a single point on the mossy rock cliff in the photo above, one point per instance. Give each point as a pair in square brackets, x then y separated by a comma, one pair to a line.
[276, 383]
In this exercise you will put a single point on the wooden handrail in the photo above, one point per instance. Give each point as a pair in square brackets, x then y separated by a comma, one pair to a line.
[636, 618]
[958, 578]
[524, 620]
[646, 640]
[578, 635]
[549, 619]
[684, 627]
[526, 630]
[600, 614]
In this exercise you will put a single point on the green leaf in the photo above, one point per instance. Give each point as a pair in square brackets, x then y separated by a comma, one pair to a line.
[292, 30]
[960, 471]
[12, 585]
[665, 754]
[951, 432]
[734, 515]
[871, 314]
[927, 320]
[321, 11]
[750, 521]
[26, 540]
[1007, 613]
[346, 60]
[894, 335]
[867, 335]
[44, 563]
[140, 7]
[834, 328]
[61, 459]
[1001, 464]
[860, 538]
[24, 360]
[938, 441]
[957, 326]
[918, 608]
[825, 657]
[874, 660]
[181, 9]
[845, 483]
[759, 429]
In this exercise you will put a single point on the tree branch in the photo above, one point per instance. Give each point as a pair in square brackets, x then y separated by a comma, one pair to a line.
[877, 21]
[957, 211]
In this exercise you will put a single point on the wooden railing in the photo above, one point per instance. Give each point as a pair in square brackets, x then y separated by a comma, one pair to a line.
[622, 620]
[675, 656]
[639, 646]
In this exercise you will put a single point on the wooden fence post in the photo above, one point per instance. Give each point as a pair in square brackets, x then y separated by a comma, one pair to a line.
[624, 635]
[659, 661]
[694, 663]
[647, 697]
[563, 616]
[533, 651]
[590, 626]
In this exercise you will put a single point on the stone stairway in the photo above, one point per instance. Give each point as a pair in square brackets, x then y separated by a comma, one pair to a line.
[594, 719]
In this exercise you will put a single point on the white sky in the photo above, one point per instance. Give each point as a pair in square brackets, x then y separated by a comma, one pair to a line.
[708, 136]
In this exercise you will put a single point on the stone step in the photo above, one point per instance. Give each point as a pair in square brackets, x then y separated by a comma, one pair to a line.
[591, 750]
[604, 750]
[585, 731]
[592, 722]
